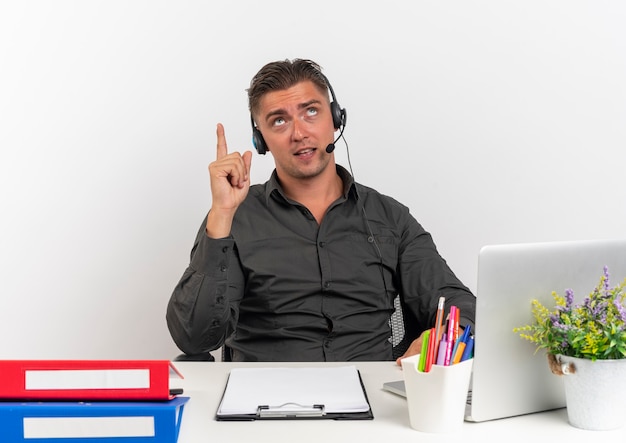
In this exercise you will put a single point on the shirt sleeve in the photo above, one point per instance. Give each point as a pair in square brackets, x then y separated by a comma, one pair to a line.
[203, 307]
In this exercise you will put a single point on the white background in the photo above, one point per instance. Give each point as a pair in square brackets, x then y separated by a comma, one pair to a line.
[495, 121]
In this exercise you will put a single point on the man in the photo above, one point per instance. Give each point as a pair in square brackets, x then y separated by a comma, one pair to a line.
[305, 267]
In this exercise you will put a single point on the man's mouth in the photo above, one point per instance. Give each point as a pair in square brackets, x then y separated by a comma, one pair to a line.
[305, 152]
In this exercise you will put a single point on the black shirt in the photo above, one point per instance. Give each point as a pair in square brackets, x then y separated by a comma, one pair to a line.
[283, 288]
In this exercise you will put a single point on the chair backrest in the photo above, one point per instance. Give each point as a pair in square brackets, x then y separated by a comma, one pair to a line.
[404, 329]
[226, 355]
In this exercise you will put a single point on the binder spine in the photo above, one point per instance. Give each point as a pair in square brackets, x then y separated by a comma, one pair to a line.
[98, 422]
[85, 379]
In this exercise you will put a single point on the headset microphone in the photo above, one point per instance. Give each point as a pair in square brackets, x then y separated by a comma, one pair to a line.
[342, 113]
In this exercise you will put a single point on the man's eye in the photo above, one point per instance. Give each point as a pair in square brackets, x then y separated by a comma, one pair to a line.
[311, 111]
[279, 121]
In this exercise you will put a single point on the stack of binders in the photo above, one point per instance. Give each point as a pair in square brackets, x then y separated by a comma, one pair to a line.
[80, 401]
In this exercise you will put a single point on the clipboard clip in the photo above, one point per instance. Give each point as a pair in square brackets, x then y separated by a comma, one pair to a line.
[290, 410]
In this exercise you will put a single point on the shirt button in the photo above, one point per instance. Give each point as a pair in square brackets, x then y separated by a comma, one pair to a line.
[225, 249]
[223, 268]
[327, 285]
[322, 244]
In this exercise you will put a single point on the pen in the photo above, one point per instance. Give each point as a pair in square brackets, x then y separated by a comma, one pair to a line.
[458, 340]
[455, 349]
[457, 320]
[469, 348]
[421, 365]
[441, 354]
[457, 353]
[453, 331]
[466, 333]
[432, 344]
[439, 325]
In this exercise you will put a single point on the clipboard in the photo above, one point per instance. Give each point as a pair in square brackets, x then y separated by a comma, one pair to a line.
[336, 393]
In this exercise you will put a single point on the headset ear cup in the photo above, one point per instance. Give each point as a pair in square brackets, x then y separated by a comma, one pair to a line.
[258, 141]
[337, 114]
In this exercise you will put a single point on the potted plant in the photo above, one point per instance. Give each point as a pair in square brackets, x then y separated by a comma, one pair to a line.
[586, 342]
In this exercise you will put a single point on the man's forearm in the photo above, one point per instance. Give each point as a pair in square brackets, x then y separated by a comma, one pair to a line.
[199, 311]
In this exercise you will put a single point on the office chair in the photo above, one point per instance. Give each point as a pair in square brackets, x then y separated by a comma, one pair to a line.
[205, 356]
[403, 329]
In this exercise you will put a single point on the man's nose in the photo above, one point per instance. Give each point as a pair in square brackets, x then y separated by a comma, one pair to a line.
[297, 132]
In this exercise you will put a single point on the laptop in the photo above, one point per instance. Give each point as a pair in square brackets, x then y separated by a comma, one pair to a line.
[509, 378]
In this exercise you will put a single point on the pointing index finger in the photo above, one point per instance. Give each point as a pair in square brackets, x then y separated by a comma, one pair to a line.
[222, 149]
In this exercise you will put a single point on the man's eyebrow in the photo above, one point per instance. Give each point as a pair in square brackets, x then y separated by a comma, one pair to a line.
[309, 103]
[281, 111]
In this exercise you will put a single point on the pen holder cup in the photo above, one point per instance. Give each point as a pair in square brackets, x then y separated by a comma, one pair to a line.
[437, 398]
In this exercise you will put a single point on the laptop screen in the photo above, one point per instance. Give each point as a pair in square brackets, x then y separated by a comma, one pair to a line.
[510, 377]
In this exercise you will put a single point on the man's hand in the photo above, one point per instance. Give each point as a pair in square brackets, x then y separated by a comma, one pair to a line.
[230, 182]
[414, 349]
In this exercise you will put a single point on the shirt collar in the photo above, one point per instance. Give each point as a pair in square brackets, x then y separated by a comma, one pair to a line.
[349, 186]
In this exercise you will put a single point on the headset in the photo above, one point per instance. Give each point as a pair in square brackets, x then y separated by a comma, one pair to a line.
[339, 122]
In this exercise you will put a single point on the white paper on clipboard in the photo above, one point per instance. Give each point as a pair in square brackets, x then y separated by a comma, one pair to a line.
[337, 389]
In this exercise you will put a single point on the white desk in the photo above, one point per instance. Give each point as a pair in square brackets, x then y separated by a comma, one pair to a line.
[204, 383]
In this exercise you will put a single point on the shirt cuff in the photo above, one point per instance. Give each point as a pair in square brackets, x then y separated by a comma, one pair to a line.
[212, 256]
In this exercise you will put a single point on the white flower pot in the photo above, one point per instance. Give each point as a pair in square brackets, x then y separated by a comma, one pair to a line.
[594, 392]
